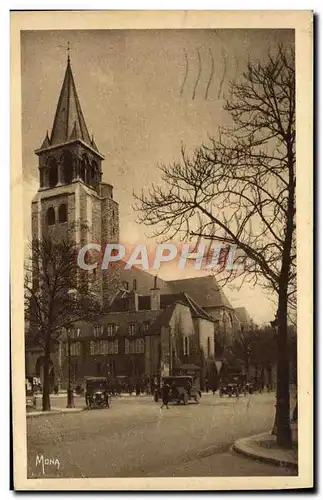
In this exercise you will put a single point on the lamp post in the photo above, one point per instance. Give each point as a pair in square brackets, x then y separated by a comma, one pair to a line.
[70, 397]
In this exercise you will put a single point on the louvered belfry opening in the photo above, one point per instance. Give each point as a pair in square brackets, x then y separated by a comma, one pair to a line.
[69, 153]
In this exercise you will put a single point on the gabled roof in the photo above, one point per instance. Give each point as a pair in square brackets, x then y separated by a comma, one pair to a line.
[69, 123]
[46, 142]
[242, 315]
[162, 320]
[204, 290]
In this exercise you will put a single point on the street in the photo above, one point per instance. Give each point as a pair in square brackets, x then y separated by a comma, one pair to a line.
[135, 438]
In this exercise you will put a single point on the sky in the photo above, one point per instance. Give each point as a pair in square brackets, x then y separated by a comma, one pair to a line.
[140, 108]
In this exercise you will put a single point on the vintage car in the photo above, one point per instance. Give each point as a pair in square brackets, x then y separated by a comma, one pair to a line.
[97, 393]
[232, 384]
[182, 389]
[30, 394]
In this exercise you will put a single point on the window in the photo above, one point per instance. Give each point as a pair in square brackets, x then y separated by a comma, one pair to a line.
[104, 347]
[50, 216]
[73, 333]
[139, 346]
[146, 326]
[125, 285]
[67, 166]
[94, 347]
[126, 346]
[53, 173]
[116, 347]
[136, 346]
[134, 284]
[98, 330]
[186, 346]
[62, 213]
[111, 329]
[75, 348]
[131, 328]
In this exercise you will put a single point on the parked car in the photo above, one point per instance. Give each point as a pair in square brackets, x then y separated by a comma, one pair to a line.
[183, 389]
[97, 394]
[232, 384]
[30, 395]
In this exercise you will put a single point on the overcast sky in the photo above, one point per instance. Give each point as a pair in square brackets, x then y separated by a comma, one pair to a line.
[139, 106]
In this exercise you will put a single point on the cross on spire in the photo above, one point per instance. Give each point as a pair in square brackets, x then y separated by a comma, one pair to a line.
[68, 51]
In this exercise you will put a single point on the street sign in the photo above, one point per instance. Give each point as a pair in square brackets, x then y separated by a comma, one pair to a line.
[218, 365]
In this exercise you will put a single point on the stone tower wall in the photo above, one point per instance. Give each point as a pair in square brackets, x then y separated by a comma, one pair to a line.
[111, 279]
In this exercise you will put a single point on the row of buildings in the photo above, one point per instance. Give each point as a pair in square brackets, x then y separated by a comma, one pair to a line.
[150, 326]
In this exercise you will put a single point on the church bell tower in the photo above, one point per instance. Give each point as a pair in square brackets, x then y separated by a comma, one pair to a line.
[72, 200]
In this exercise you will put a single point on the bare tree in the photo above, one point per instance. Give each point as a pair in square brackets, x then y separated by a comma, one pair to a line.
[239, 189]
[56, 296]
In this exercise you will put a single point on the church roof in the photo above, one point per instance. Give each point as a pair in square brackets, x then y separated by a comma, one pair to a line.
[204, 290]
[242, 315]
[69, 122]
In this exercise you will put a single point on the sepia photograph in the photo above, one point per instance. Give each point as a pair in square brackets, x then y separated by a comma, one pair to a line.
[162, 306]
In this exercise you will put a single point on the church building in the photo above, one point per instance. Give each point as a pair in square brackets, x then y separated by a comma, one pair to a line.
[149, 325]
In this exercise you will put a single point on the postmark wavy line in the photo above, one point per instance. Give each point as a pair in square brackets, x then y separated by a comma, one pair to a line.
[198, 74]
[211, 75]
[224, 57]
[186, 73]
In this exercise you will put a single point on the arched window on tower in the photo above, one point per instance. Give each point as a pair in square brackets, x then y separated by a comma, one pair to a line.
[87, 173]
[82, 169]
[95, 173]
[50, 216]
[62, 213]
[53, 173]
[67, 166]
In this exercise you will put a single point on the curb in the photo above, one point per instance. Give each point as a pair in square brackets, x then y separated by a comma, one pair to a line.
[243, 447]
[54, 412]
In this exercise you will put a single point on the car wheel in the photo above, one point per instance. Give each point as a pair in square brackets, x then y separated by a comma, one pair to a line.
[155, 398]
[185, 399]
[197, 399]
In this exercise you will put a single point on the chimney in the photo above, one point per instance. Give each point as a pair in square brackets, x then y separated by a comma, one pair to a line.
[133, 301]
[155, 296]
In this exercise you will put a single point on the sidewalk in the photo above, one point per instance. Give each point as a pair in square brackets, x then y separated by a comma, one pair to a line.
[263, 447]
[53, 411]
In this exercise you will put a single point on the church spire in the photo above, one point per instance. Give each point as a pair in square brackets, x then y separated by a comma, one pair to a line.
[69, 116]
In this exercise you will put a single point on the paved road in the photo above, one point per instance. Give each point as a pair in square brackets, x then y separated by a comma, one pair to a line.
[135, 438]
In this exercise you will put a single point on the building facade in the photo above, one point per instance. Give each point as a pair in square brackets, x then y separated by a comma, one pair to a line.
[149, 326]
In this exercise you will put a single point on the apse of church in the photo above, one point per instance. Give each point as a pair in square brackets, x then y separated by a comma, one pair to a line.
[73, 201]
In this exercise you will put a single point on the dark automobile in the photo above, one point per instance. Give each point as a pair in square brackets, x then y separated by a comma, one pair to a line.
[30, 394]
[232, 384]
[182, 389]
[96, 393]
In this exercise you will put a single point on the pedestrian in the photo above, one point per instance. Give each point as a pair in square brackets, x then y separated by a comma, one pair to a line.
[165, 395]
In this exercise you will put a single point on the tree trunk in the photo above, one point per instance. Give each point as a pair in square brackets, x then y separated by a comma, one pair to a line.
[282, 420]
[46, 397]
